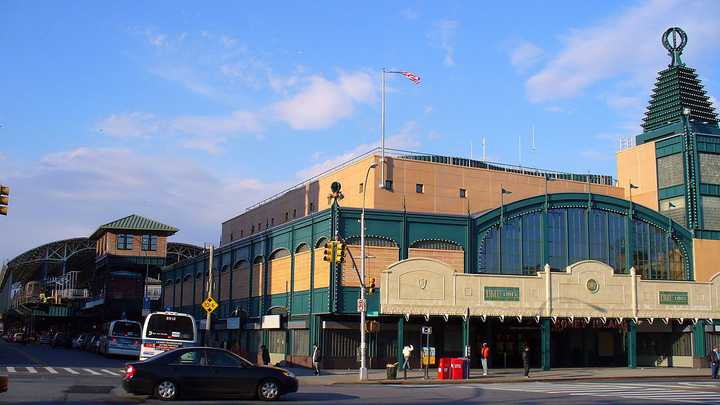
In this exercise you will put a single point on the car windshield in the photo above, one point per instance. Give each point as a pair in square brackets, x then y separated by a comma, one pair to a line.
[170, 327]
[126, 329]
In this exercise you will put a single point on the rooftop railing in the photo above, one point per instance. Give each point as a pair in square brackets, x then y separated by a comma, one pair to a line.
[452, 161]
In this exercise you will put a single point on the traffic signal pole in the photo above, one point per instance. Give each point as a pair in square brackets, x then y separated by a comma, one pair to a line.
[363, 345]
[209, 294]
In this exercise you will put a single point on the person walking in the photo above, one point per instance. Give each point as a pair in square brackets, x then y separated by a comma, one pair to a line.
[714, 360]
[316, 358]
[484, 356]
[526, 360]
[265, 355]
[407, 353]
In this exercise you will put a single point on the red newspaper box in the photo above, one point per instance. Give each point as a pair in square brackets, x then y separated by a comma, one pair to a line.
[444, 369]
[457, 368]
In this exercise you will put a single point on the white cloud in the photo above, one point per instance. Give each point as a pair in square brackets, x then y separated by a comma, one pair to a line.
[406, 138]
[69, 193]
[134, 124]
[323, 102]
[627, 44]
[443, 37]
[525, 55]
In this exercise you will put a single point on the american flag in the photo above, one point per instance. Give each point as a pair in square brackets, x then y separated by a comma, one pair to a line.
[412, 77]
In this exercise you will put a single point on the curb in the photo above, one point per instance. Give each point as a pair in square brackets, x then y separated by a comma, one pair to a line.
[498, 380]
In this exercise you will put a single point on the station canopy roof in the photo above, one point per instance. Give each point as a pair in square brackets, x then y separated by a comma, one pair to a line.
[135, 223]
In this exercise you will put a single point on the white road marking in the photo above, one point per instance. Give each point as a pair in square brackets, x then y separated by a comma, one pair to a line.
[11, 369]
[109, 372]
[51, 370]
[91, 371]
[31, 370]
[69, 370]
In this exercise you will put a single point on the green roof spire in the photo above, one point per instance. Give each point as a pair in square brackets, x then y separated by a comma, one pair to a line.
[676, 89]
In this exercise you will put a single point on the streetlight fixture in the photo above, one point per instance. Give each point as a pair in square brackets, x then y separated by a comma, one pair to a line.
[363, 348]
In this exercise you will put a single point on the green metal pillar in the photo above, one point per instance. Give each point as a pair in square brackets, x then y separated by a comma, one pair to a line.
[632, 344]
[545, 331]
[466, 333]
[698, 332]
[400, 339]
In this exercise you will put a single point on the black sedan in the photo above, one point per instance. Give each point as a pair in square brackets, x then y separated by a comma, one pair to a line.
[205, 372]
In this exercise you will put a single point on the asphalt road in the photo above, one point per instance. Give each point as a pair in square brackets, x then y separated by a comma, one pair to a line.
[41, 375]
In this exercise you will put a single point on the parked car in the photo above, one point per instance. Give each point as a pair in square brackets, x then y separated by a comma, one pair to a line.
[206, 372]
[90, 343]
[44, 339]
[3, 382]
[60, 340]
[94, 345]
[79, 342]
[18, 338]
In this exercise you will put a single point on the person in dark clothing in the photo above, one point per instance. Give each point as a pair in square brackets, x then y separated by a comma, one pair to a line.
[265, 355]
[714, 360]
[526, 360]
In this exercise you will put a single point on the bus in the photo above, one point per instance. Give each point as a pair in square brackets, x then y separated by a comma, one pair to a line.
[165, 331]
[121, 337]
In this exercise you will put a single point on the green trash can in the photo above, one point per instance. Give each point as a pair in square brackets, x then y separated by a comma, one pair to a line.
[391, 371]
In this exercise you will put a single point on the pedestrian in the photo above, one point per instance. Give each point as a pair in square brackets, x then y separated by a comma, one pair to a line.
[407, 353]
[316, 358]
[484, 356]
[265, 355]
[714, 360]
[526, 360]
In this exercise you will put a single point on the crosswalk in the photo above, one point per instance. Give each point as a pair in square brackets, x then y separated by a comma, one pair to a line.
[674, 392]
[60, 371]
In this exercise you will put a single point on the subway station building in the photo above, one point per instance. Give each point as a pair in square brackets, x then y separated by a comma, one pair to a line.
[584, 269]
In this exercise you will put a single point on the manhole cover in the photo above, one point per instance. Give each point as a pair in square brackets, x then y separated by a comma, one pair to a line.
[89, 389]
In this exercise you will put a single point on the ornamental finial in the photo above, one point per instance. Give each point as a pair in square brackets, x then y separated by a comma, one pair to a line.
[675, 49]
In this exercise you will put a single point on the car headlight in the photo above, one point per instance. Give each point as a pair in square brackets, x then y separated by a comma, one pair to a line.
[289, 373]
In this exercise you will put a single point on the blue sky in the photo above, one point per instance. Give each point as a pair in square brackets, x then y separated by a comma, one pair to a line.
[188, 113]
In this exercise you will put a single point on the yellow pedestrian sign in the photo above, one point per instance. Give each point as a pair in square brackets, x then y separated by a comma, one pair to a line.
[209, 305]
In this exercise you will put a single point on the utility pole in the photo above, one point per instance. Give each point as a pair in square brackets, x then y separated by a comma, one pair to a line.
[209, 294]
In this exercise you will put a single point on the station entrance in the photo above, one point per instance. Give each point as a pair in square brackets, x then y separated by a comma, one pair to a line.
[578, 343]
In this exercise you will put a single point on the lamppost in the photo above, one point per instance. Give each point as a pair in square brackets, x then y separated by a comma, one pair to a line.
[363, 351]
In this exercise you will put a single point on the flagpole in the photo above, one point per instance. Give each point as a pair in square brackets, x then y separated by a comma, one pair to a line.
[382, 128]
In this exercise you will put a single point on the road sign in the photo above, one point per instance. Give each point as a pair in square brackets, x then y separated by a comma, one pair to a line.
[209, 305]
[426, 330]
[361, 305]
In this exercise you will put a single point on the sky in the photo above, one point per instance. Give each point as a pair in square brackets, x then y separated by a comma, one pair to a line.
[188, 113]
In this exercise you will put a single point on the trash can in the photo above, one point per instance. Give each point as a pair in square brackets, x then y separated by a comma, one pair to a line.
[391, 370]
[443, 372]
[457, 368]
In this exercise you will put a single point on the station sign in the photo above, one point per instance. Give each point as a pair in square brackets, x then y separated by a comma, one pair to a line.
[426, 330]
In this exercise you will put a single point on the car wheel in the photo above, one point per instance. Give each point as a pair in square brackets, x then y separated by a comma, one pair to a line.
[268, 390]
[166, 390]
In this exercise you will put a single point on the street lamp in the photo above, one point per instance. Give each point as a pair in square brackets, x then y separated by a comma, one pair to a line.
[632, 186]
[363, 360]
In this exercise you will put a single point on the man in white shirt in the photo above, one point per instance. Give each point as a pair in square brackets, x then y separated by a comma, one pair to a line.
[407, 352]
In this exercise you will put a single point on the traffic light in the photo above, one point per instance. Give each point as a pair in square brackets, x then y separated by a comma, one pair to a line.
[4, 199]
[371, 287]
[328, 252]
[339, 252]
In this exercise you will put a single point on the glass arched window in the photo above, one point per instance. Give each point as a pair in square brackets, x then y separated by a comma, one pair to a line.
[574, 234]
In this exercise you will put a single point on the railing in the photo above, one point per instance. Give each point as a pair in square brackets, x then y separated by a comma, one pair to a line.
[448, 160]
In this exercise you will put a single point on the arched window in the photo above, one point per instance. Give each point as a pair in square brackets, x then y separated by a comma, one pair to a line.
[574, 234]
[376, 241]
[321, 242]
[303, 247]
[436, 244]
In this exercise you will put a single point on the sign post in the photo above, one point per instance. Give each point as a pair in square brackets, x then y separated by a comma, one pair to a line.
[426, 352]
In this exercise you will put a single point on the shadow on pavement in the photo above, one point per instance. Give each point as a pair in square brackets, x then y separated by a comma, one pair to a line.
[317, 397]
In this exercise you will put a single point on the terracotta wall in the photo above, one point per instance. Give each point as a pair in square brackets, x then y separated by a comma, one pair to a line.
[279, 275]
[454, 258]
[257, 280]
[302, 271]
[706, 254]
[241, 281]
[321, 270]
[638, 165]
[187, 292]
[225, 284]
[377, 260]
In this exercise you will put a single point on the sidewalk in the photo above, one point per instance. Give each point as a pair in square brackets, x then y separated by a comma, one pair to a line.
[331, 377]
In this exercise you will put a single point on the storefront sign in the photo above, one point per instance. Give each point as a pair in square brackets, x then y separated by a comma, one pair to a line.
[673, 297]
[271, 322]
[502, 294]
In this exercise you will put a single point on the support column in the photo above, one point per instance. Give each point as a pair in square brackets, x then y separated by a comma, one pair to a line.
[699, 352]
[632, 344]
[466, 334]
[545, 333]
[400, 339]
